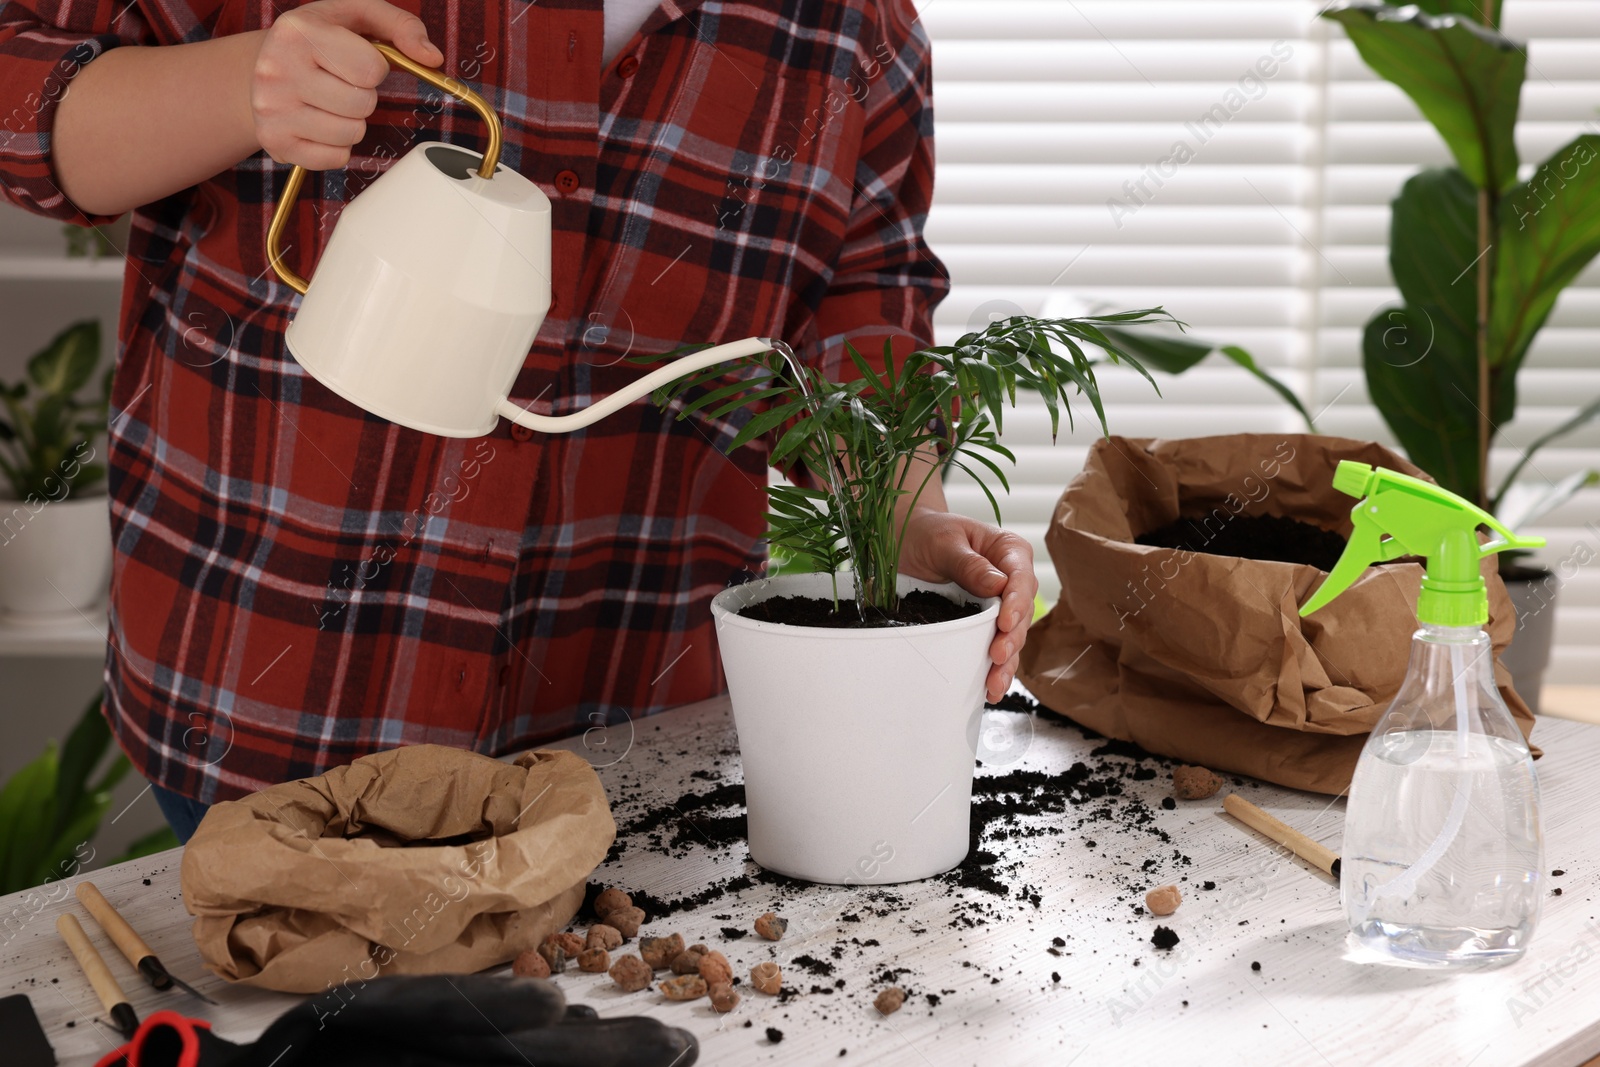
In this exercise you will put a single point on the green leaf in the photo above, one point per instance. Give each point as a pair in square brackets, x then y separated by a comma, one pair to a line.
[1522, 504]
[84, 749]
[67, 363]
[1581, 417]
[26, 816]
[1548, 231]
[1465, 78]
[1417, 367]
[1175, 354]
[1433, 240]
[55, 859]
[1471, 9]
[155, 841]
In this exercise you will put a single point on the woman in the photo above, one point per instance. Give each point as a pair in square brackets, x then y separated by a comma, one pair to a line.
[298, 583]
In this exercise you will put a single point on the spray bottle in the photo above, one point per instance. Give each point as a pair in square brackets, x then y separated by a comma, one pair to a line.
[1442, 850]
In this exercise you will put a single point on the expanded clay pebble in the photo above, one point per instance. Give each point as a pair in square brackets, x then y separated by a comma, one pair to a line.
[888, 1002]
[594, 960]
[1163, 938]
[610, 900]
[1194, 783]
[715, 969]
[570, 943]
[723, 997]
[687, 962]
[626, 921]
[554, 955]
[603, 936]
[766, 977]
[771, 927]
[531, 964]
[659, 952]
[683, 987]
[631, 974]
[1163, 900]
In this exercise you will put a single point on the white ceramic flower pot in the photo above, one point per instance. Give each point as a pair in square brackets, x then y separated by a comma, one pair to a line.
[55, 558]
[858, 745]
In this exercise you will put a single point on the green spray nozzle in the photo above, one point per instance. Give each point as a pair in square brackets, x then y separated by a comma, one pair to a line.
[1399, 515]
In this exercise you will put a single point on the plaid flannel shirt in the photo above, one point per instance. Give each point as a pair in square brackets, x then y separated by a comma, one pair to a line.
[297, 583]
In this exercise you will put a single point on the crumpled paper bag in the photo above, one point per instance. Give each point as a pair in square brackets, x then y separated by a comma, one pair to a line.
[1205, 658]
[419, 860]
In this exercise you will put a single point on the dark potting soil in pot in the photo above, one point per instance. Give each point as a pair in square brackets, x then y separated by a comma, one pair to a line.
[1264, 537]
[915, 609]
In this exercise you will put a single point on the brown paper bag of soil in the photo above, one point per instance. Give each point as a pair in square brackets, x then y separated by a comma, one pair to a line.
[420, 860]
[1205, 658]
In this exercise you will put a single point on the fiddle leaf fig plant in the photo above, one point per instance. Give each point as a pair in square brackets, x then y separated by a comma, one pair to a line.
[944, 404]
[47, 431]
[1479, 257]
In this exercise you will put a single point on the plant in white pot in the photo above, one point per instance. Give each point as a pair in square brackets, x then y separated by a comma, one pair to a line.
[858, 716]
[55, 533]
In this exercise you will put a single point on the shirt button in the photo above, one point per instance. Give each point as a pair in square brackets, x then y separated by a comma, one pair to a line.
[567, 181]
[520, 432]
[628, 67]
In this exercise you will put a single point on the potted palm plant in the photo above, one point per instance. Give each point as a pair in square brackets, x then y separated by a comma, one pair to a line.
[1480, 258]
[856, 690]
[55, 540]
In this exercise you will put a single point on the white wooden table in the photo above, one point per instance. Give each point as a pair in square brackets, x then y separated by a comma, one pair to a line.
[1199, 1004]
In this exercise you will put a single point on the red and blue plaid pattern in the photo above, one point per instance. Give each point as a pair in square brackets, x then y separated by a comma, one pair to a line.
[298, 583]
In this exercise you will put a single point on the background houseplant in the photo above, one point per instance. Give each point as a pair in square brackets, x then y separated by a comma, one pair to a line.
[50, 809]
[1479, 258]
[55, 553]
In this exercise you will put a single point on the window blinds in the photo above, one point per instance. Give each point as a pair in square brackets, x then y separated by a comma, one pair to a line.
[1232, 161]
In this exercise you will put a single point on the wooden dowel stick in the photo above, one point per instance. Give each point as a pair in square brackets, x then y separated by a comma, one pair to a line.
[129, 943]
[1317, 855]
[94, 968]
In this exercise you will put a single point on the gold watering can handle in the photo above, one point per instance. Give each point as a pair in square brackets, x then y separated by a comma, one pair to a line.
[291, 188]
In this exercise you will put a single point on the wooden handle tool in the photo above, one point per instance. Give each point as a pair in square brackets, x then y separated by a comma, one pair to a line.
[129, 943]
[1317, 855]
[99, 975]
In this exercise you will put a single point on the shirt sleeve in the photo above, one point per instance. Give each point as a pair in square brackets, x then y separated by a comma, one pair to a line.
[887, 281]
[44, 44]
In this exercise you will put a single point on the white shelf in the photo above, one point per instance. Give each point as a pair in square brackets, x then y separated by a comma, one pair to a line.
[76, 636]
[43, 267]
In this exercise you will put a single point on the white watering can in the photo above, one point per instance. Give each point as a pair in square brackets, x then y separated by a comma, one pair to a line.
[432, 287]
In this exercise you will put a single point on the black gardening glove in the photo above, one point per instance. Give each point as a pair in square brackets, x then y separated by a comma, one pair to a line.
[424, 1021]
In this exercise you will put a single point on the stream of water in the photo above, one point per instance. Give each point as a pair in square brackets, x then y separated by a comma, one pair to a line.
[836, 487]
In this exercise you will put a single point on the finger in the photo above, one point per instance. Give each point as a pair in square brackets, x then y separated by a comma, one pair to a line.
[330, 93]
[973, 571]
[310, 155]
[374, 18]
[1000, 677]
[319, 127]
[346, 55]
[1014, 556]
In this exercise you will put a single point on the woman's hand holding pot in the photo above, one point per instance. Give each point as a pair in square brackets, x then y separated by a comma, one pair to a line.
[986, 561]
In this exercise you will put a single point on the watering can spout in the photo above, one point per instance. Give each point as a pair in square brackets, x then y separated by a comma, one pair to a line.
[678, 368]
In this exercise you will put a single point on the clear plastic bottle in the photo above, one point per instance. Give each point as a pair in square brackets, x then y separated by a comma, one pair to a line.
[1442, 850]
